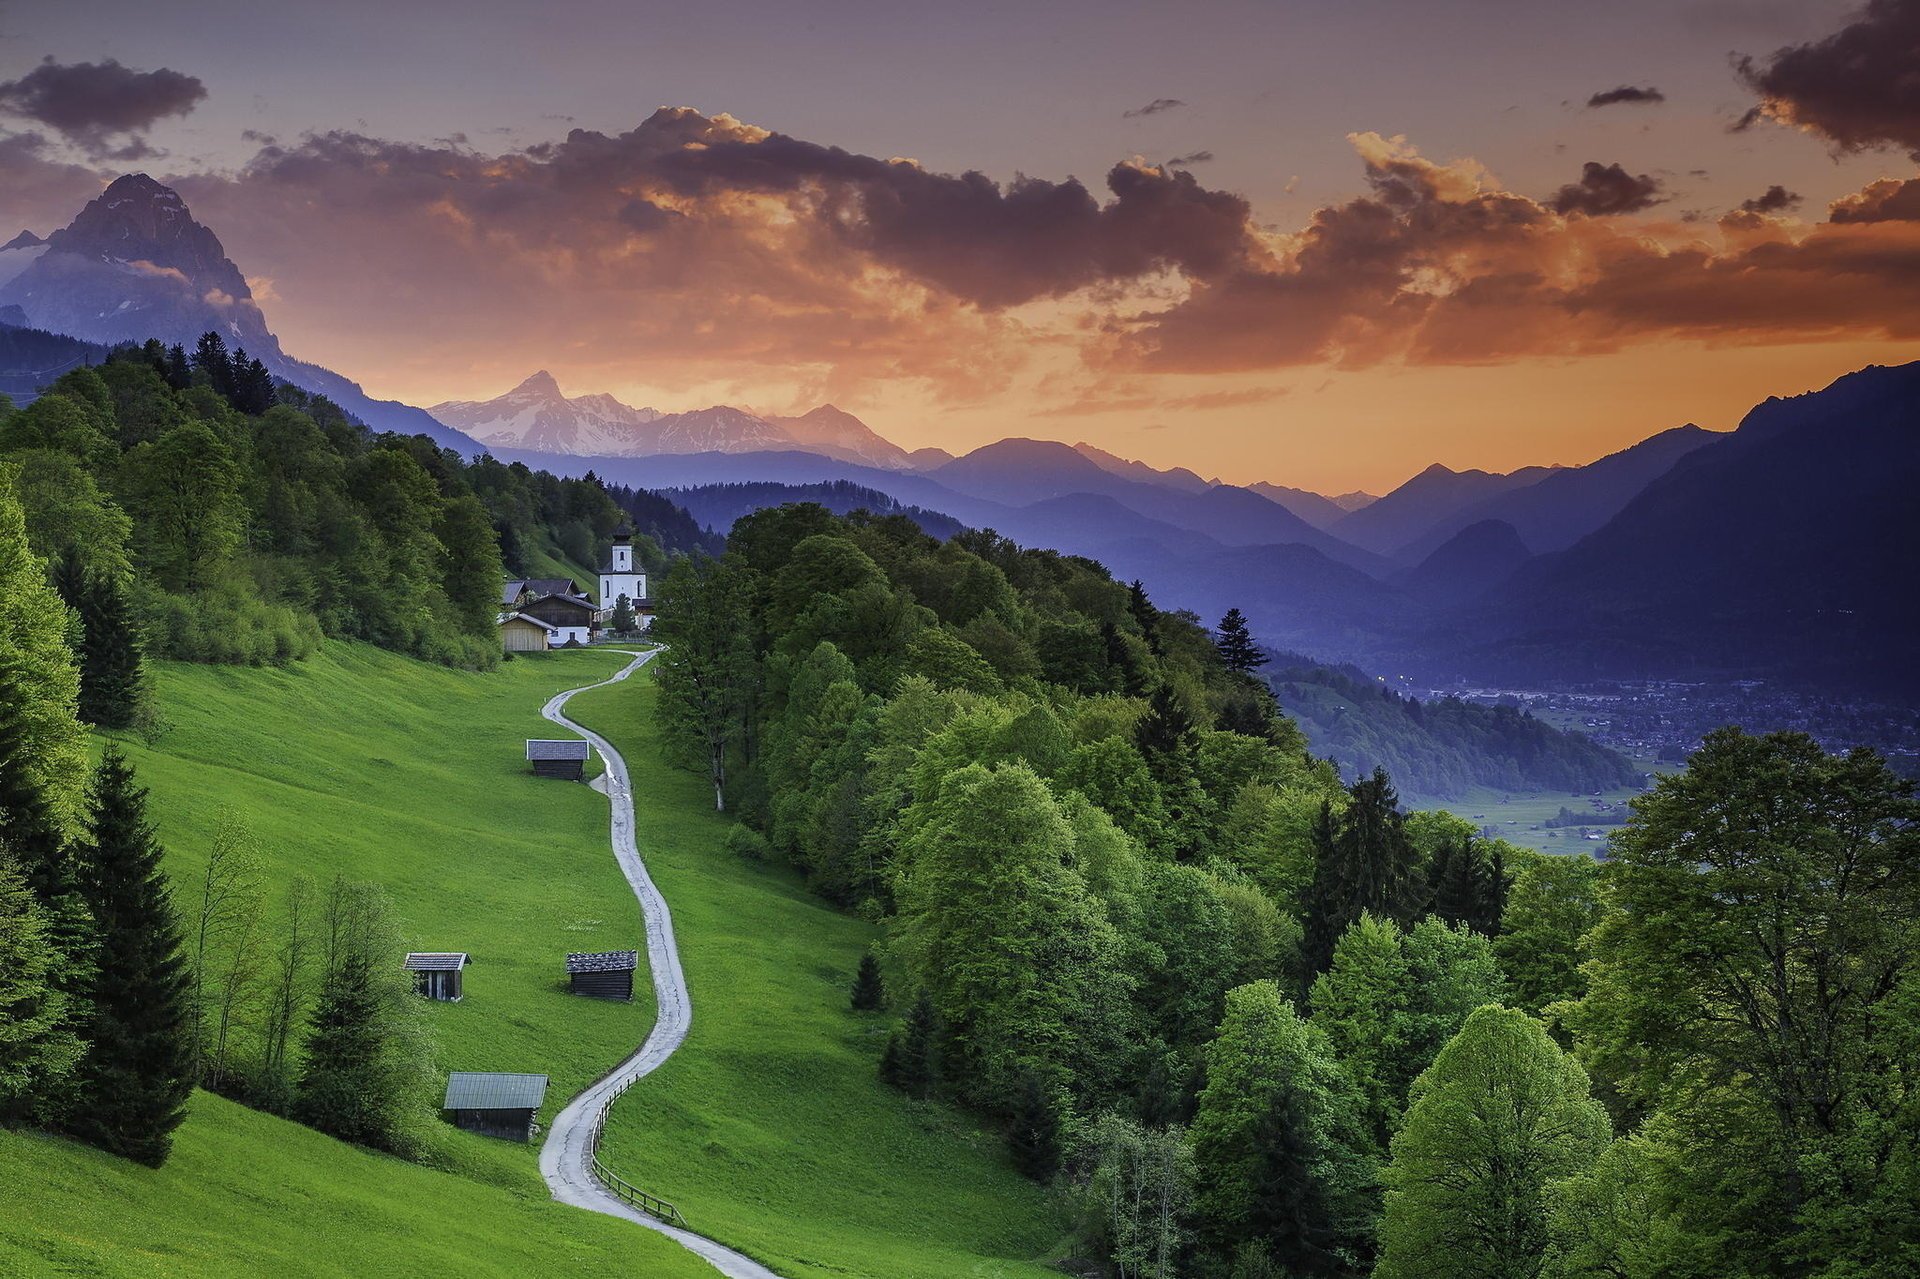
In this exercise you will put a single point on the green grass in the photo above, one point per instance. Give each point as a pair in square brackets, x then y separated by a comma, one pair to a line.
[246, 1194]
[361, 763]
[1520, 816]
[769, 1129]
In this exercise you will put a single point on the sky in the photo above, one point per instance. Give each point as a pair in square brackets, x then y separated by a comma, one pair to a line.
[1322, 244]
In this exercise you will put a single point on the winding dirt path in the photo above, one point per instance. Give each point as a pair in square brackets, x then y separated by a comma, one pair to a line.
[566, 1158]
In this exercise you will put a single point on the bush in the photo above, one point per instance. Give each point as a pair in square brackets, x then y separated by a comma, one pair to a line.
[746, 843]
[227, 627]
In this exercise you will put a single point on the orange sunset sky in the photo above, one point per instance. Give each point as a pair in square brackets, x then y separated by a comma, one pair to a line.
[1322, 245]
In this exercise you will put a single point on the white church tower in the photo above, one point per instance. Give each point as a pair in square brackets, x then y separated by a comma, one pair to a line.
[619, 577]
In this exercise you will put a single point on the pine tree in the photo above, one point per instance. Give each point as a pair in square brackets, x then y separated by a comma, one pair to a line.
[1034, 1134]
[342, 1088]
[911, 1062]
[869, 991]
[112, 675]
[1166, 730]
[1363, 862]
[1144, 614]
[1235, 644]
[133, 1083]
[178, 372]
[623, 621]
[210, 357]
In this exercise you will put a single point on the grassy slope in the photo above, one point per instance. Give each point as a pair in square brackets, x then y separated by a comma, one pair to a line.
[246, 1194]
[769, 1129]
[361, 763]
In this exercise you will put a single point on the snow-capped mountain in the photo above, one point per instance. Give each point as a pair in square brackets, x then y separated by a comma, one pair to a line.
[133, 265]
[19, 253]
[537, 416]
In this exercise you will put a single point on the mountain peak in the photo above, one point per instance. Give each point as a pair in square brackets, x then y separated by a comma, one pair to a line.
[25, 240]
[541, 383]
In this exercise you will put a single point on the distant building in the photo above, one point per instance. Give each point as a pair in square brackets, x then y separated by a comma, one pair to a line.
[495, 1105]
[558, 757]
[436, 973]
[539, 613]
[604, 974]
[619, 576]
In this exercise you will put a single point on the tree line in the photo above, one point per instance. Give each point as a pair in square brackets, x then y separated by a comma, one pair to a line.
[114, 1000]
[1254, 1022]
[225, 517]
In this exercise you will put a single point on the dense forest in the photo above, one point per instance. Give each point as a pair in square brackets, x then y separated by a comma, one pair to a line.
[1440, 748]
[1251, 1022]
[243, 519]
[718, 505]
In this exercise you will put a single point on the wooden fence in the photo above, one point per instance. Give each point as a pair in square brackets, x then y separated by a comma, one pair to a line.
[652, 1205]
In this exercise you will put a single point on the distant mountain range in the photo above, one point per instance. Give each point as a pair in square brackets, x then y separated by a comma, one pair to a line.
[1779, 550]
[537, 416]
[133, 265]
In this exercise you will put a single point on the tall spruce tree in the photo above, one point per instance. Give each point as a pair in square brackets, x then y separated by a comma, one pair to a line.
[1364, 861]
[911, 1061]
[1235, 644]
[869, 991]
[112, 675]
[1033, 1136]
[133, 1083]
[344, 1088]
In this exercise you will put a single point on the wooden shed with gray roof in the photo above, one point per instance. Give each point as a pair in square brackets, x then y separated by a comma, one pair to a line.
[563, 757]
[606, 974]
[436, 973]
[495, 1105]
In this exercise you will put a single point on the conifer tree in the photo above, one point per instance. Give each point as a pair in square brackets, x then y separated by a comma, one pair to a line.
[210, 357]
[1363, 862]
[911, 1062]
[623, 620]
[342, 1089]
[112, 676]
[178, 372]
[869, 991]
[1145, 614]
[1235, 644]
[1034, 1134]
[133, 1083]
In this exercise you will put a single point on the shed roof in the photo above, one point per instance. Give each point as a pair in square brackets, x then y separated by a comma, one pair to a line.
[556, 748]
[473, 1090]
[437, 961]
[605, 961]
[506, 618]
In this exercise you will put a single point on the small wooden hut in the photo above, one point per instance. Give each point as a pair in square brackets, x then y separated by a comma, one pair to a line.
[606, 974]
[495, 1105]
[558, 758]
[436, 973]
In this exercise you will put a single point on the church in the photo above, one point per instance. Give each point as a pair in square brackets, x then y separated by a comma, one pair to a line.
[619, 576]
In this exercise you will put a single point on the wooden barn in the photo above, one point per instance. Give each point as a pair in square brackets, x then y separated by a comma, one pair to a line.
[436, 973]
[606, 974]
[495, 1105]
[565, 757]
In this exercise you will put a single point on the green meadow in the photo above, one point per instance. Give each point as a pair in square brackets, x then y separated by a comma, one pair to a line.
[769, 1128]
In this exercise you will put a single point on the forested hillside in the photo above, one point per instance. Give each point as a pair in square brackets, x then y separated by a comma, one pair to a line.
[242, 519]
[1252, 1022]
[1439, 748]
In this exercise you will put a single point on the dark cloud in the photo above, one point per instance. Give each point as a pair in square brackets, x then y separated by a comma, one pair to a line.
[1154, 107]
[1606, 190]
[1191, 158]
[1435, 267]
[94, 103]
[1859, 87]
[1775, 199]
[1888, 200]
[1627, 94]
